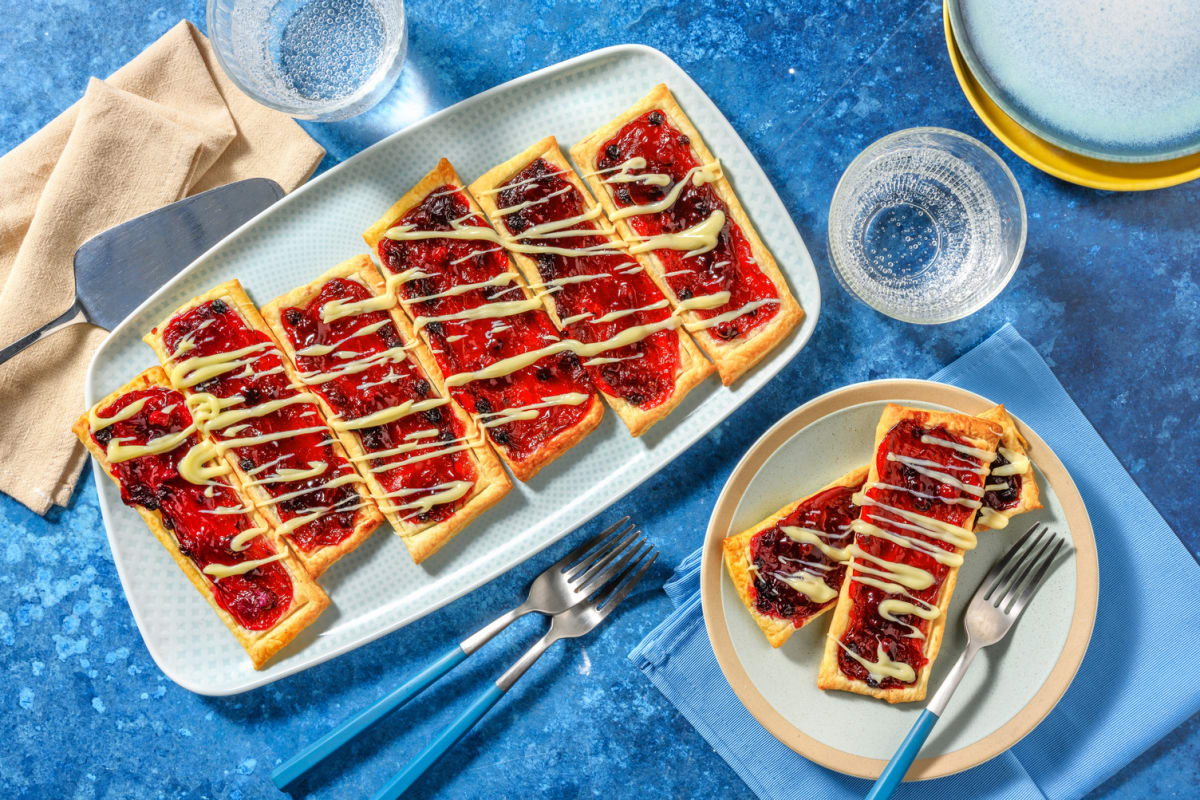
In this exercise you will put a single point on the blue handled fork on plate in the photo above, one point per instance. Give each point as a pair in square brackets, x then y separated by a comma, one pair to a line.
[1001, 597]
[578, 591]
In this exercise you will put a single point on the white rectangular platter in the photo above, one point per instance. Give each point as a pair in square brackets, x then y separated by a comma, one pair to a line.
[377, 588]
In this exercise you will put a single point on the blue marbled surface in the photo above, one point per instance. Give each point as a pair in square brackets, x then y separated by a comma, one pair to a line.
[1107, 293]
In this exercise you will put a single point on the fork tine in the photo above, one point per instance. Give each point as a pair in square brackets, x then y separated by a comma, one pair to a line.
[581, 578]
[585, 547]
[1036, 581]
[1012, 591]
[599, 547]
[993, 574]
[597, 583]
[1013, 560]
[614, 596]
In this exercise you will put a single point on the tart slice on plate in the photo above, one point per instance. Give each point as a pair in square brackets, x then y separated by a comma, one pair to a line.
[1011, 487]
[919, 503]
[146, 440]
[497, 351]
[643, 363]
[245, 395]
[672, 204]
[788, 569]
[423, 459]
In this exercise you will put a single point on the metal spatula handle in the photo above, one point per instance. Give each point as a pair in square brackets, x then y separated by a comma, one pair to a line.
[71, 316]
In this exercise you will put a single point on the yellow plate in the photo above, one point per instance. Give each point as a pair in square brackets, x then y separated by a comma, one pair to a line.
[1049, 158]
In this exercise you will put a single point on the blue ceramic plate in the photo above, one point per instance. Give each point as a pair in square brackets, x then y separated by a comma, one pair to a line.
[1111, 79]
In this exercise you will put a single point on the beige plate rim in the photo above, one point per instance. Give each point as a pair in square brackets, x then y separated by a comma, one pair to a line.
[1078, 635]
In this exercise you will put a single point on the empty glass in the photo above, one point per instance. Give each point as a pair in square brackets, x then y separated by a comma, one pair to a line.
[927, 225]
[312, 59]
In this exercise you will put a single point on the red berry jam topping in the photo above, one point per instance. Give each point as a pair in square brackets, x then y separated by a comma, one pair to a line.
[424, 445]
[297, 437]
[1010, 495]
[774, 553]
[642, 373]
[919, 493]
[257, 598]
[730, 266]
[444, 265]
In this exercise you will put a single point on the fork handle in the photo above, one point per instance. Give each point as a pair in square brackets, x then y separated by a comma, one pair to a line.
[402, 780]
[316, 752]
[897, 768]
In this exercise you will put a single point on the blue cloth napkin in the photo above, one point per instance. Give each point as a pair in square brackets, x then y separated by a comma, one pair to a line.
[1126, 695]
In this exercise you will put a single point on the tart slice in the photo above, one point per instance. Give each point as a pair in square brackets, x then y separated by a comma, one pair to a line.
[496, 349]
[246, 396]
[670, 201]
[926, 484]
[145, 439]
[643, 363]
[788, 569]
[1011, 488]
[423, 459]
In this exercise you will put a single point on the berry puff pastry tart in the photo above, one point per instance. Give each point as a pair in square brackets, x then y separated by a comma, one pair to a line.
[423, 459]
[918, 506]
[674, 207]
[788, 569]
[498, 352]
[1011, 488]
[247, 397]
[147, 442]
[644, 362]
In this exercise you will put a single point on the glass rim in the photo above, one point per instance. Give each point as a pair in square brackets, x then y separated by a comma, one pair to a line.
[1015, 261]
[329, 114]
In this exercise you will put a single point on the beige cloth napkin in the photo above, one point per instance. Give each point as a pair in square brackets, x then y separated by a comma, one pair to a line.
[166, 125]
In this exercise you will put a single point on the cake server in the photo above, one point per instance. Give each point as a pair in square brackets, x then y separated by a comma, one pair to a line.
[115, 271]
[994, 608]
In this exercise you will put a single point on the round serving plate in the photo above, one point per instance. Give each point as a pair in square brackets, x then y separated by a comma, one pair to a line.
[1010, 687]
[1108, 79]
[1058, 161]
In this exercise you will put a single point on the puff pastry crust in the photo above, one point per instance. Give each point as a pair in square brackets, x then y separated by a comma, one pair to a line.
[308, 600]
[982, 436]
[1027, 496]
[271, 495]
[642, 302]
[734, 356]
[490, 482]
[739, 561]
[471, 251]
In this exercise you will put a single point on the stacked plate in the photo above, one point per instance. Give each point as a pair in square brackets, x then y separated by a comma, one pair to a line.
[1100, 93]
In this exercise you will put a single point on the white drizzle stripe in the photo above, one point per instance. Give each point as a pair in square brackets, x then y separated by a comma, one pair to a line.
[942, 477]
[219, 571]
[699, 175]
[729, 316]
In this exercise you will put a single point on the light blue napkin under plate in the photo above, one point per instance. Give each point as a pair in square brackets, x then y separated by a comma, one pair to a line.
[1125, 696]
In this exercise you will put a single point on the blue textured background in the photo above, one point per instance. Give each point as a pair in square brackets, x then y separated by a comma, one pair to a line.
[1106, 293]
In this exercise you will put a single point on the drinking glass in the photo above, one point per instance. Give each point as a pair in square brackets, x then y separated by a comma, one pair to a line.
[927, 225]
[312, 59]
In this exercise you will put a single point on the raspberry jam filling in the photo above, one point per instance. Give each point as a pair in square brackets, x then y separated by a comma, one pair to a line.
[1008, 497]
[642, 373]
[296, 439]
[414, 440]
[776, 554]
[257, 598]
[905, 486]
[730, 266]
[437, 286]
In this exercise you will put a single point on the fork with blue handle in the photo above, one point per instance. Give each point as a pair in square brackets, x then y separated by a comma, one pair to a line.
[578, 591]
[1001, 597]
